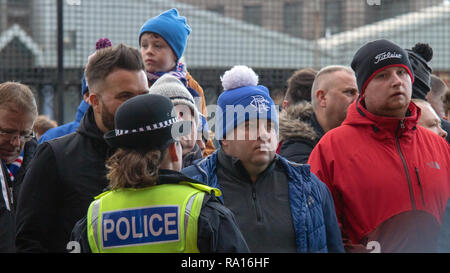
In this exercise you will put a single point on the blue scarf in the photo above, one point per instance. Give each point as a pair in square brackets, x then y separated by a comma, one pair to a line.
[179, 72]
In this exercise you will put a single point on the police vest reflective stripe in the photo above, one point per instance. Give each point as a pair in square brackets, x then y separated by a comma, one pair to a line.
[160, 218]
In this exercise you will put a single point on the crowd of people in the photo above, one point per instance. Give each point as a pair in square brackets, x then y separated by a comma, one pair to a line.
[357, 159]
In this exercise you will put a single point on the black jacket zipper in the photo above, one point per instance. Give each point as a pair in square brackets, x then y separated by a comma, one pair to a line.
[397, 142]
[255, 203]
[420, 186]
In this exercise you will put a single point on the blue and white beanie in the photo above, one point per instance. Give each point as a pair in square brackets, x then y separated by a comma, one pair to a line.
[172, 27]
[242, 100]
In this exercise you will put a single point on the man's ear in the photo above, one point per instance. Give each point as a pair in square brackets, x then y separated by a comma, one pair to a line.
[94, 101]
[285, 104]
[321, 98]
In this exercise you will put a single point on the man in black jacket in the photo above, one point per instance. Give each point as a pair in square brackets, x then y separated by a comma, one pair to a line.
[67, 172]
[303, 124]
[18, 112]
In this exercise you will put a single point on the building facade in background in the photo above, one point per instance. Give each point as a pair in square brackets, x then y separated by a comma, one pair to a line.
[274, 37]
[297, 17]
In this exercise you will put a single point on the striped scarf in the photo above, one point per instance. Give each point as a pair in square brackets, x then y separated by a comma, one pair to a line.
[178, 72]
[13, 167]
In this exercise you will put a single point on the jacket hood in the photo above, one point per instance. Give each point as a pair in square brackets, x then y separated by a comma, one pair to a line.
[358, 115]
[295, 122]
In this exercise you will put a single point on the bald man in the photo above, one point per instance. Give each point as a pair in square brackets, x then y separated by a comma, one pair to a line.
[429, 118]
[434, 97]
[302, 125]
[333, 90]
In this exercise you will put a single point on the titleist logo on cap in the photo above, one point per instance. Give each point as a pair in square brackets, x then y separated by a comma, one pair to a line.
[386, 55]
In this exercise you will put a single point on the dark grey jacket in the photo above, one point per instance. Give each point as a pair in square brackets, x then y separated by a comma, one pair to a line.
[261, 208]
[285, 199]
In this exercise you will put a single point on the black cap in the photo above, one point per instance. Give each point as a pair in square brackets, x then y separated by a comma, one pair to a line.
[144, 122]
[376, 56]
[419, 55]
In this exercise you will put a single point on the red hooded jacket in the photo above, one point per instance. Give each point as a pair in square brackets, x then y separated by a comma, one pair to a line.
[390, 180]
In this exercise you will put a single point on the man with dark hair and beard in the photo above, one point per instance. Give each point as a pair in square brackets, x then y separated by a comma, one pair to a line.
[67, 172]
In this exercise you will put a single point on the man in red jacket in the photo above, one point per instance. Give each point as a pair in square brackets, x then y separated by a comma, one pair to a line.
[389, 177]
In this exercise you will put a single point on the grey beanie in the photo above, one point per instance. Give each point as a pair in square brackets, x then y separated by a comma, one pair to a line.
[171, 87]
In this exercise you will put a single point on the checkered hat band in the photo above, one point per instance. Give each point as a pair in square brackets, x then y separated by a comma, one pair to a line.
[147, 128]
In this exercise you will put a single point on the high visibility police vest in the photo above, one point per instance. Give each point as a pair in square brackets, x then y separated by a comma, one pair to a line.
[161, 218]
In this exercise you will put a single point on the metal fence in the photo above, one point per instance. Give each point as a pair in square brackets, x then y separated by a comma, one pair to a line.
[275, 37]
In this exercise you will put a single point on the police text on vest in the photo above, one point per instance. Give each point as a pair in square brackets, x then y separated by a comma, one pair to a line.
[148, 225]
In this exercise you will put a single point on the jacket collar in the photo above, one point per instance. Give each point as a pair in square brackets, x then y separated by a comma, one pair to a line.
[315, 124]
[383, 127]
[234, 166]
[298, 122]
[88, 126]
[172, 177]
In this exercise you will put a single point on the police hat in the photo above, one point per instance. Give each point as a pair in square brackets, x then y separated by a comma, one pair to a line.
[145, 122]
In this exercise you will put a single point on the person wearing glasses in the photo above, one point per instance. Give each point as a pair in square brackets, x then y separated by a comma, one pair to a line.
[18, 112]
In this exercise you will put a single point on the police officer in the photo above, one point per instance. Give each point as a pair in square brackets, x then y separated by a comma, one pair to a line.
[151, 206]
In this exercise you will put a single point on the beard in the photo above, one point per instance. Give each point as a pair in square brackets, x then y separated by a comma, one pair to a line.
[107, 117]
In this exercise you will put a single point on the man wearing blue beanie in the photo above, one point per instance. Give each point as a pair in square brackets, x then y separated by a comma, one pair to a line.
[280, 206]
[243, 100]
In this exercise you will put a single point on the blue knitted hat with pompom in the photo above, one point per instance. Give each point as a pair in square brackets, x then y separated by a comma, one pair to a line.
[242, 100]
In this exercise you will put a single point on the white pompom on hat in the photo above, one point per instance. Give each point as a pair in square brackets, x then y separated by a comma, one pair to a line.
[242, 92]
[239, 76]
